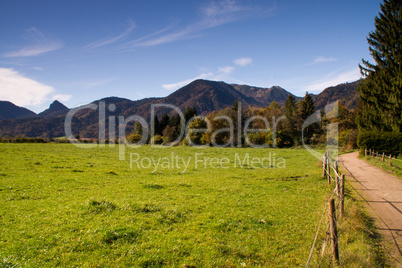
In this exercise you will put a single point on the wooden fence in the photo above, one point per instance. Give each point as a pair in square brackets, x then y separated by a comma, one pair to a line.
[338, 194]
[372, 153]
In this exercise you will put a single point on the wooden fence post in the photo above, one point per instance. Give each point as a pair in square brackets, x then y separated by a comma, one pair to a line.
[324, 163]
[365, 152]
[390, 160]
[383, 155]
[334, 233]
[336, 177]
[336, 166]
[370, 153]
[342, 196]
[328, 171]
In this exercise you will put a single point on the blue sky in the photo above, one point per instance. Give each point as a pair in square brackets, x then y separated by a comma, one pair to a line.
[78, 51]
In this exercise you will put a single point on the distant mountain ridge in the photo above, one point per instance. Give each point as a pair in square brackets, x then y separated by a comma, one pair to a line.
[345, 93]
[53, 109]
[206, 96]
[9, 110]
[265, 95]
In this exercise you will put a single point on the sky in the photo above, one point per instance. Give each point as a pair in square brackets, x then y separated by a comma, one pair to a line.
[78, 51]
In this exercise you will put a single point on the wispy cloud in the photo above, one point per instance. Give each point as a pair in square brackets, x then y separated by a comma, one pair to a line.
[100, 82]
[321, 59]
[334, 78]
[24, 91]
[243, 61]
[40, 44]
[61, 97]
[180, 84]
[108, 41]
[226, 69]
[222, 73]
[212, 15]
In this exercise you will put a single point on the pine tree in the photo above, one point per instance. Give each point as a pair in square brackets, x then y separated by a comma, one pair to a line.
[290, 113]
[137, 128]
[189, 113]
[307, 106]
[163, 123]
[380, 92]
[155, 126]
[306, 109]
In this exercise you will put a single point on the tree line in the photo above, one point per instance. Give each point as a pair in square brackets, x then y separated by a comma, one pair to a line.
[272, 126]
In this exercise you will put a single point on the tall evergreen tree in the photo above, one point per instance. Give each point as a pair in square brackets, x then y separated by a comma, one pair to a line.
[380, 92]
[307, 108]
[290, 114]
[189, 113]
[155, 125]
[163, 123]
[137, 128]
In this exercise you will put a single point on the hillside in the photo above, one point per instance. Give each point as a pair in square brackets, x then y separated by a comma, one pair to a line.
[264, 95]
[346, 93]
[206, 96]
[9, 110]
[54, 109]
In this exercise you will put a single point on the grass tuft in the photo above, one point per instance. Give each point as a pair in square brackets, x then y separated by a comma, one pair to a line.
[153, 263]
[121, 235]
[8, 263]
[101, 206]
[145, 208]
[172, 216]
[153, 186]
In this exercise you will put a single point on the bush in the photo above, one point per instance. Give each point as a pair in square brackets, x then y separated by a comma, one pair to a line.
[257, 138]
[348, 139]
[134, 138]
[387, 142]
[281, 140]
[157, 139]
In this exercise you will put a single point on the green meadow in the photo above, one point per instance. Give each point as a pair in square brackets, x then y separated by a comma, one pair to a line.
[61, 205]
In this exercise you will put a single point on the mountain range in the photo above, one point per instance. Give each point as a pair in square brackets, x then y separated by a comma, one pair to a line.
[206, 96]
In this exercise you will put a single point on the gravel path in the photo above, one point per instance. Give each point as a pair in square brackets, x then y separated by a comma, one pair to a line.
[382, 193]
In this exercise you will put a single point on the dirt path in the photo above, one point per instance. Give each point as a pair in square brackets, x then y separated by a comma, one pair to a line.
[383, 194]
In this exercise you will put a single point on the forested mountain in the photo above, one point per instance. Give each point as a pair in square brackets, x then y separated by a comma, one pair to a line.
[9, 110]
[205, 96]
[346, 94]
[54, 109]
[264, 96]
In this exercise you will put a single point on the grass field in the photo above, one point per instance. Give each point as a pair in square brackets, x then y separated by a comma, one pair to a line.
[394, 169]
[65, 206]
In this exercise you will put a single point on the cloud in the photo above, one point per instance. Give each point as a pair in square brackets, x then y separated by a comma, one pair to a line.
[226, 69]
[333, 79]
[321, 59]
[243, 61]
[21, 90]
[222, 74]
[61, 97]
[40, 44]
[180, 84]
[104, 42]
[212, 15]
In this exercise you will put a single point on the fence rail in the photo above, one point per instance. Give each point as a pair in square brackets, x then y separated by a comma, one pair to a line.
[332, 209]
[372, 153]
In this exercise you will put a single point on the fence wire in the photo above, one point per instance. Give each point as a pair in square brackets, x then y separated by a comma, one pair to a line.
[336, 178]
